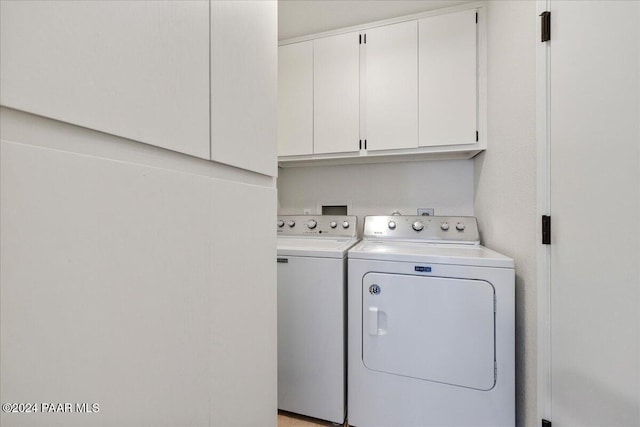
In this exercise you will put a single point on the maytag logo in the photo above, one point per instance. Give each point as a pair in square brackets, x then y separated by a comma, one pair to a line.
[422, 269]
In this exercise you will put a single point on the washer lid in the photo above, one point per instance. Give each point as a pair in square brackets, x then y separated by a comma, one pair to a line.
[468, 255]
[314, 247]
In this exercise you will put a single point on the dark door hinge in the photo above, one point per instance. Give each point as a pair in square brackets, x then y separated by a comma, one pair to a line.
[360, 39]
[365, 144]
[477, 136]
[546, 231]
[365, 38]
[360, 145]
[546, 423]
[476, 17]
[545, 23]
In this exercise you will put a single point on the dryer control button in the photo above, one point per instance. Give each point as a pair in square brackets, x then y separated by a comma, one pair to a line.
[291, 223]
[444, 226]
[460, 226]
[280, 223]
[418, 226]
[312, 224]
[345, 224]
[392, 225]
[333, 224]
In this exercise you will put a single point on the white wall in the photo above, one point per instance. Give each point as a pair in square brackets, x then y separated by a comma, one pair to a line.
[505, 179]
[379, 189]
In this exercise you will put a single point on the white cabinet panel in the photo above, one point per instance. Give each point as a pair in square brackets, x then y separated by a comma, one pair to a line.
[135, 69]
[244, 84]
[125, 283]
[295, 99]
[336, 94]
[106, 289]
[392, 86]
[244, 325]
[448, 79]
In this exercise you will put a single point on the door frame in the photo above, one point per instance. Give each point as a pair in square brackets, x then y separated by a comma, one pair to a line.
[543, 252]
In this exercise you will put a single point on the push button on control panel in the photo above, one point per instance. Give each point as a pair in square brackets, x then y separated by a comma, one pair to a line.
[291, 223]
[280, 223]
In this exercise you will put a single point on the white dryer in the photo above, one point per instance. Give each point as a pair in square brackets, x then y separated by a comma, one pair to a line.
[431, 326]
[312, 271]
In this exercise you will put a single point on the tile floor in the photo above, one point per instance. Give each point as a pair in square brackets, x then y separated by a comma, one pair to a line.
[286, 419]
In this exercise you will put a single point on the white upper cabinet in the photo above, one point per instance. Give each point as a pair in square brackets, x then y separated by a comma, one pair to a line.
[391, 106]
[336, 93]
[244, 76]
[295, 99]
[448, 79]
[139, 70]
[404, 87]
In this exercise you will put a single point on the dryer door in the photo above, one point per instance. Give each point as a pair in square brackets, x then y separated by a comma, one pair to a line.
[429, 328]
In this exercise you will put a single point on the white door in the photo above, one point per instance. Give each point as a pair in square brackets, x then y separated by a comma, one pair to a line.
[391, 86]
[431, 328]
[594, 205]
[336, 94]
[135, 69]
[448, 79]
[295, 99]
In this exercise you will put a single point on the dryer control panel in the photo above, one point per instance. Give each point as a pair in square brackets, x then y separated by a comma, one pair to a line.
[317, 225]
[434, 229]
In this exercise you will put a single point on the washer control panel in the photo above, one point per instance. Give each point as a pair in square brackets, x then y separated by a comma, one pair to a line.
[320, 225]
[442, 229]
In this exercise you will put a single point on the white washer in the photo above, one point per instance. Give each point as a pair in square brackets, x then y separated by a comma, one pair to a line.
[312, 270]
[431, 326]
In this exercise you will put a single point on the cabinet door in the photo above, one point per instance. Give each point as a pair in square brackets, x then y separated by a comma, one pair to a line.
[336, 94]
[392, 86]
[448, 79]
[244, 76]
[118, 306]
[139, 70]
[140, 282]
[295, 99]
[243, 326]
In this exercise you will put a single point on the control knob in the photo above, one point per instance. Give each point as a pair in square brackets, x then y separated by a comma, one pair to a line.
[444, 226]
[291, 223]
[460, 226]
[333, 224]
[345, 224]
[392, 225]
[418, 226]
[280, 223]
[312, 224]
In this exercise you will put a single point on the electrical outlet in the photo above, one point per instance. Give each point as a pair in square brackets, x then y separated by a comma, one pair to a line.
[426, 211]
